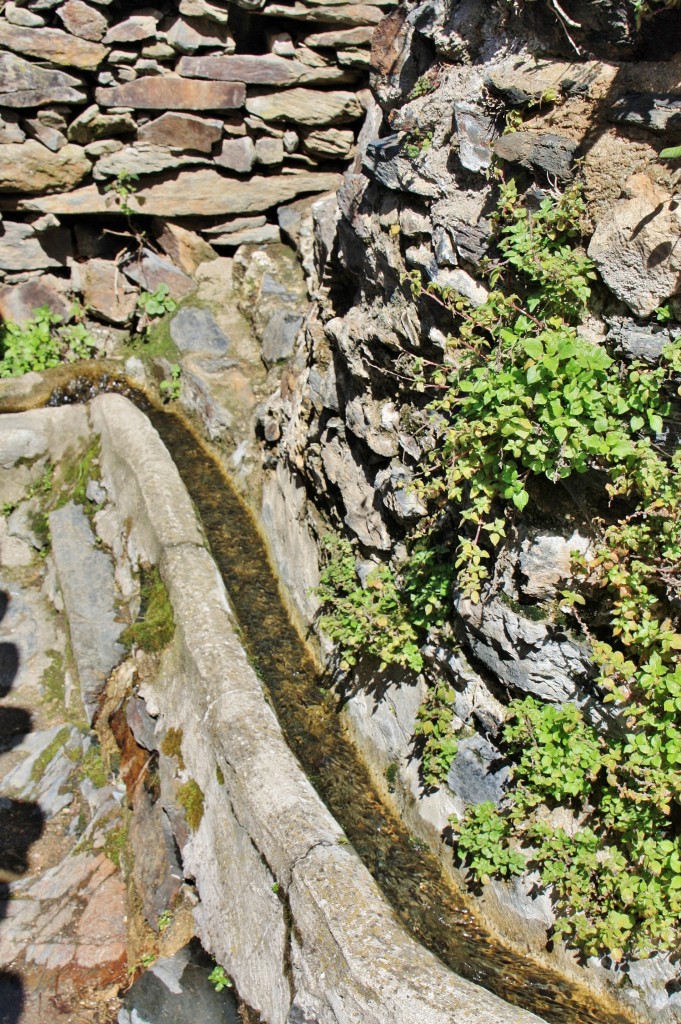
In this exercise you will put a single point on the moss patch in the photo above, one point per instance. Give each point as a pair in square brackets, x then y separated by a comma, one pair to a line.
[41, 763]
[172, 746]
[219, 775]
[52, 682]
[155, 629]
[190, 798]
[76, 472]
[92, 767]
[114, 843]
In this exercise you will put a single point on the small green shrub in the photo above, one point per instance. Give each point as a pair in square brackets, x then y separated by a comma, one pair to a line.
[157, 303]
[434, 725]
[219, 978]
[171, 388]
[42, 343]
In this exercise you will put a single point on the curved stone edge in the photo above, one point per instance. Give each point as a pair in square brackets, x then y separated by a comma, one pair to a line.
[294, 916]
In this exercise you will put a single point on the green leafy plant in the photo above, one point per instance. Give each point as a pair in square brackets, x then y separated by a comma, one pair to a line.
[156, 303]
[219, 978]
[434, 723]
[171, 388]
[42, 343]
[417, 142]
[123, 188]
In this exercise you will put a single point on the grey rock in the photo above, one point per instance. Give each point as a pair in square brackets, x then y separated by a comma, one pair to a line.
[53, 45]
[263, 235]
[384, 162]
[9, 128]
[20, 16]
[345, 469]
[443, 247]
[83, 20]
[196, 330]
[176, 990]
[269, 151]
[533, 657]
[414, 222]
[522, 79]
[143, 158]
[657, 113]
[151, 270]
[19, 302]
[92, 125]
[279, 336]
[538, 150]
[237, 155]
[330, 144]
[306, 106]
[21, 248]
[182, 131]
[471, 241]
[89, 601]
[636, 341]
[545, 563]
[375, 423]
[50, 137]
[135, 29]
[477, 773]
[637, 246]
[188, 36]
[394, 484]
[156, 869]
[142, 725]
[475, 131]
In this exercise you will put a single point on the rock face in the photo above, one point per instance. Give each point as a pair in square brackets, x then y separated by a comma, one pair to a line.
[31, 167]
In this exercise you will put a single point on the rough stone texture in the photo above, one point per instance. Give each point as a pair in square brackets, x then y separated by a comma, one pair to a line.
[107, 293]
[89, 599]
[168, 91]
[150, 271]
[182, 131]
[263, 69]
[537, 150]
[156, 870]
[195, 330]
[477, 773]
[22, 249]
[185, 248]
[201, 193]
[306, 106]
[636, 342]
[190, 36]
[23, 84]
[52, 45]
[18, 302]
[646, 110]
[80, 19]
[331, 143]
[636, 247]
[237, 155]
[135, 29]
[475, 131]
[30, 167]
[143, 158]
[92, 124]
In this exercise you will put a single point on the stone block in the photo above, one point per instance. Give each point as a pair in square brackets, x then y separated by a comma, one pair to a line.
[23, 84]
[182, 131]
[166, 92]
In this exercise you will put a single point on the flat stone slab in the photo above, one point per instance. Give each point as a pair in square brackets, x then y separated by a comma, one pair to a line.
[169, 93]
[23, 84]
[196, 330]
[86, 580]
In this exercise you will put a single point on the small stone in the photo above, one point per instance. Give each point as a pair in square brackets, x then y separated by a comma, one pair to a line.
[281, 44]
[31, 167]
[443, 248]
[475, 132]
[19, 302]
[53, 45]
[136, 29]
[20, 16]
[182, 131]
[189, 36]
[237, 155]
[47, 136]
[184, 247]
[158, 51]
[269, 151]
[92, 125]
[142, 158]
[291, 141]
[150, 271]
[263, 235]
[235, 225]
[20, 249]
[657, 113]
[204, 9]
[80, 19]
[9, 129]
[105, 147]
[331, 143]
[335, 40]
[196, 330]
[414, 222]
[478, 773]
[122, 57]
[538, 150]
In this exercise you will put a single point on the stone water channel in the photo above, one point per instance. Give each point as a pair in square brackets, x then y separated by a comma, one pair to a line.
[408, 875]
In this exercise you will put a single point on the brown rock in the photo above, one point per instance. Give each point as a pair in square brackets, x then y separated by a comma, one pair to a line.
[19, 302]
[92, 124]
[182, 131]
[135, 29]
[343, 37]
[45, 134]
[204, 9]
[263, 69]
[306, 106]
[341, 14]
[388, 40]
[82, 20]
[26, 85]
[188, 36]
[332, 143]
[168, 92]
[151, 271]
[237, 155]
[9, 128]
[107, 293]
[269, 151]
[185, 248]
[30, 167]
[54, 45]
[22, 249]
[143, 158]
[201, 193]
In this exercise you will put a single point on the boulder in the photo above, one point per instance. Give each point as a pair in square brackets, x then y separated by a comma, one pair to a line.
[53, 45]
[22, 249]
[82, 20]
[31, 167]
[23, 84]
[201, 193]
[106, 292]
[167, 92]
[637, 246]
[182, 131]
[306, 106]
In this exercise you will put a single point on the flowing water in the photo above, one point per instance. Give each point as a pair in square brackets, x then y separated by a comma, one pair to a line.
[410, 877]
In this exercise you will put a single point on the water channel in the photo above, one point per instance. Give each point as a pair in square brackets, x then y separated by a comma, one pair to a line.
[409, 876]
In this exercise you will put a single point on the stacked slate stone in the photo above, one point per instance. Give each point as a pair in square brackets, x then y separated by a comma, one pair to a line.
[210, 115]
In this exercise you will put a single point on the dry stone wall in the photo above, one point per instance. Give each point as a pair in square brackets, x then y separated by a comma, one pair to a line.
[210, 116]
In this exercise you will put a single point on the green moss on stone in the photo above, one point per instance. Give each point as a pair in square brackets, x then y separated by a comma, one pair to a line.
[42, 762]
[190, 798]
[172, 746]
[155, 629]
